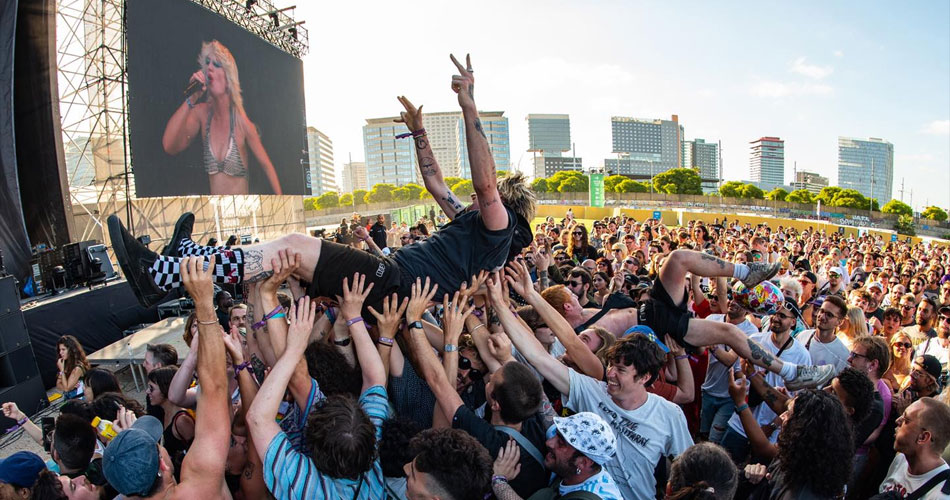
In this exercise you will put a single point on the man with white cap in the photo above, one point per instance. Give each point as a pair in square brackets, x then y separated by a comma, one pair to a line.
[578, 447]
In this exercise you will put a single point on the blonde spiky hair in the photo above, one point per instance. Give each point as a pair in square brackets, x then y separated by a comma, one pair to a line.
[517, 195]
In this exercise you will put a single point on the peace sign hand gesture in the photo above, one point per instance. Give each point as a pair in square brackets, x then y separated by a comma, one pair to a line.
[463, 84]
[412, 117]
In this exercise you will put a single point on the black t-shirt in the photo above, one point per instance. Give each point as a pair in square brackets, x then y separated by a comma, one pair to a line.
[533, 475]
[871, 421]
[378, 233]
[453, 254]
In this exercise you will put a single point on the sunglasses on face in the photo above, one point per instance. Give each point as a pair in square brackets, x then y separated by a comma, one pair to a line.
[578, 233]
[905, 345]
[630, 262]
[576, 283]
[834, 275]
[473, 373]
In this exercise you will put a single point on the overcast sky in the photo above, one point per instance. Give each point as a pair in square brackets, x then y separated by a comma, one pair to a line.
[806, 72]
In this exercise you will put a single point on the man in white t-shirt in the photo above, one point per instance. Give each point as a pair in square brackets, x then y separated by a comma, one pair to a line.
[938, 346]
[923, 432]
[648, 428]
[780, 344]
[822, 343]
[717, 405]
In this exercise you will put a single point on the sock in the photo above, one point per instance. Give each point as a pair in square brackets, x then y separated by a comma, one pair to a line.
[228, 269]
[188, 247]
[740, 271]
[789, 370]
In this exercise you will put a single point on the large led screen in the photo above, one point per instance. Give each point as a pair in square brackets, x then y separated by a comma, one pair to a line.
[213, 109]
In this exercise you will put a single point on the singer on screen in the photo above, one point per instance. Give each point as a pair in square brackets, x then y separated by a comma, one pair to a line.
[215, 109]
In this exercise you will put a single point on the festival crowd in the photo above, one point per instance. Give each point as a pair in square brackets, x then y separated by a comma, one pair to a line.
[484, 353]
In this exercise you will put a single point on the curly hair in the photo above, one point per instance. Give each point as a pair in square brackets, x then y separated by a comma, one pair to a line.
[860, 393]
[459, 465]
[106, 405]
[639, 351]
[701, 468]
[394, 451]
[341, 438]
[815, 446]
[48, 487]
[75, 355]
[331, 371]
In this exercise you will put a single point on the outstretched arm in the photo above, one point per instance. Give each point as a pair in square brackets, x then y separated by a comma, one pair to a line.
[201, 473]
[184, 125]
[428, 167]
[492, 212]
[253, 140]
[351, 303]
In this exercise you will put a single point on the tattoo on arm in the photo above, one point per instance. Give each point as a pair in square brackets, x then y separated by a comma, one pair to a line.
[457, 205]
[706, 256]
[428, 167]
[478, 127]
[421, 143]
[471, 91]
[759, 355]
[254, 267]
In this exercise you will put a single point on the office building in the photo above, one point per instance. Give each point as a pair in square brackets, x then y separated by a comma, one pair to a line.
[767, 162]
[866, 165]
[394, 160]
[809, 181]
[704, 156]
[549, 137]
[546, 166]
[354, 177]
[322, 174]
[645, 147]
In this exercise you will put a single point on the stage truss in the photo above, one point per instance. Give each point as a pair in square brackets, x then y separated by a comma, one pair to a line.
[93, 99]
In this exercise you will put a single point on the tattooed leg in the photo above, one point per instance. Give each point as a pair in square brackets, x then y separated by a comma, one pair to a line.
[683, 262]
[703, 332]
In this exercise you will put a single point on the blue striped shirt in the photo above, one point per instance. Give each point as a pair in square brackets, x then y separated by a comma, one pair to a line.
[290, 473]
[295, 420]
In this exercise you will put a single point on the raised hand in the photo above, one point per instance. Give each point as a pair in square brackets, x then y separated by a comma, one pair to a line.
[388, 321]
[12, 411]
[412, 117]
[361, 233]
[123, 419]
[499, 345]
[284, 265]
[519, 279]
[508, 462]
[302, 316]
[196, 278]
[463, 84]
[737, 388]
[419, 301]
[235, 346]
[454, 312]
[477, 281]
[496, 292]
[351, 303]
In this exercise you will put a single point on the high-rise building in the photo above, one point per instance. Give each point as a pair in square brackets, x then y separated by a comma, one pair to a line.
[868, 166]
[809, 181]
[704, 156]
[549, 137]
[354, 176]
[394, 161]
[645, 147]
[767, 163]
[322, 174]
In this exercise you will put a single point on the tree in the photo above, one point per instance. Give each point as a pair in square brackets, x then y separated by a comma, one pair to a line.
[359, 197]
[308, 204]
[678, 181]
[463, 188]
[751, 191]
[381, 192]
[327, 200]
[777, 194]
[611, 182]
[932, 212]
[451, 181]
[897, 207]
[632, 186]
[572, 185]
[905, 225]
[851, 198]
[730, 189]
[540, 185]
[579, 179]
[346, 200]
[827, 194]
[425, 195]
[401, 194]
[801, 196]
[414, 190]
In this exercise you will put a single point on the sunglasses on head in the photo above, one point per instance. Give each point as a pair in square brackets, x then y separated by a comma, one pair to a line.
[473, 373]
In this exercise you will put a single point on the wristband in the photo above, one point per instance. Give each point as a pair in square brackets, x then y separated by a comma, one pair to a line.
[742, 408]
[343, 343]
[681, 356]
[331, 315]
[450, 348]
[188, 101]
[415, 324]
[354, 321]
[498, 479]
[215, 322]
[238, 368]
[386, 341]
[477, 311]
[271, 315]
[480, 325]
[278, 315]
[415, 133]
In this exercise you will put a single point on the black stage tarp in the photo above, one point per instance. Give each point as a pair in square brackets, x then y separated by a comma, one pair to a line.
[97, 318]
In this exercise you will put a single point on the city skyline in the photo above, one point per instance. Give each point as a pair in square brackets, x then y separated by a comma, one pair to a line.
[856, 72]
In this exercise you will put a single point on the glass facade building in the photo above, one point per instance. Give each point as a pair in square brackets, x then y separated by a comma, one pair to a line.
[767, 163]
[645, 146]
[322, 174]
[866, 165]
[704, 156]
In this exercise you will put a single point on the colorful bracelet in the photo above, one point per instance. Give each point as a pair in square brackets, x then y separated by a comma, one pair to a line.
[331, 315]
[742, 408]
[415, 133]
[354, 321]
[386, 341]
[681, 356]
[271, 315]
[498, 479]
[242, 366]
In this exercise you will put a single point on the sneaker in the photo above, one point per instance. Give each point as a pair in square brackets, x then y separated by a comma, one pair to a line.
[759, 272]
[135, 259]
[811, 376]
[183, 230]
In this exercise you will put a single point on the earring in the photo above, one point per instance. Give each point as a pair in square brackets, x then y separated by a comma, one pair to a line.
[577, 471]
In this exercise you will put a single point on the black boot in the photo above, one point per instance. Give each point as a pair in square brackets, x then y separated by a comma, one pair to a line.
[135, 260]
[183, 228]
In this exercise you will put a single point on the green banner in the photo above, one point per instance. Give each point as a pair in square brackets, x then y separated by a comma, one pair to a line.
[596, 190]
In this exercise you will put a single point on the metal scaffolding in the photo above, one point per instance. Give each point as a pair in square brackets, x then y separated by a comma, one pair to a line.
[93, 99]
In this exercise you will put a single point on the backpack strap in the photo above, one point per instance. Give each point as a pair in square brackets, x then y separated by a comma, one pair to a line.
[574, 495]
[929, 485]
[523, 441]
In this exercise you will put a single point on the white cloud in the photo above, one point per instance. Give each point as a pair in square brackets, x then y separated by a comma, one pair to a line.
[810, 70]
[772, 88]
[937, 127]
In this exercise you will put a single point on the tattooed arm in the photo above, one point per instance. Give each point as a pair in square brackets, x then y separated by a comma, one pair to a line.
[428, 167]
[492, 212]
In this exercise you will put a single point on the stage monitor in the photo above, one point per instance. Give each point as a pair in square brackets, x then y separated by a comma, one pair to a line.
[240, 129]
